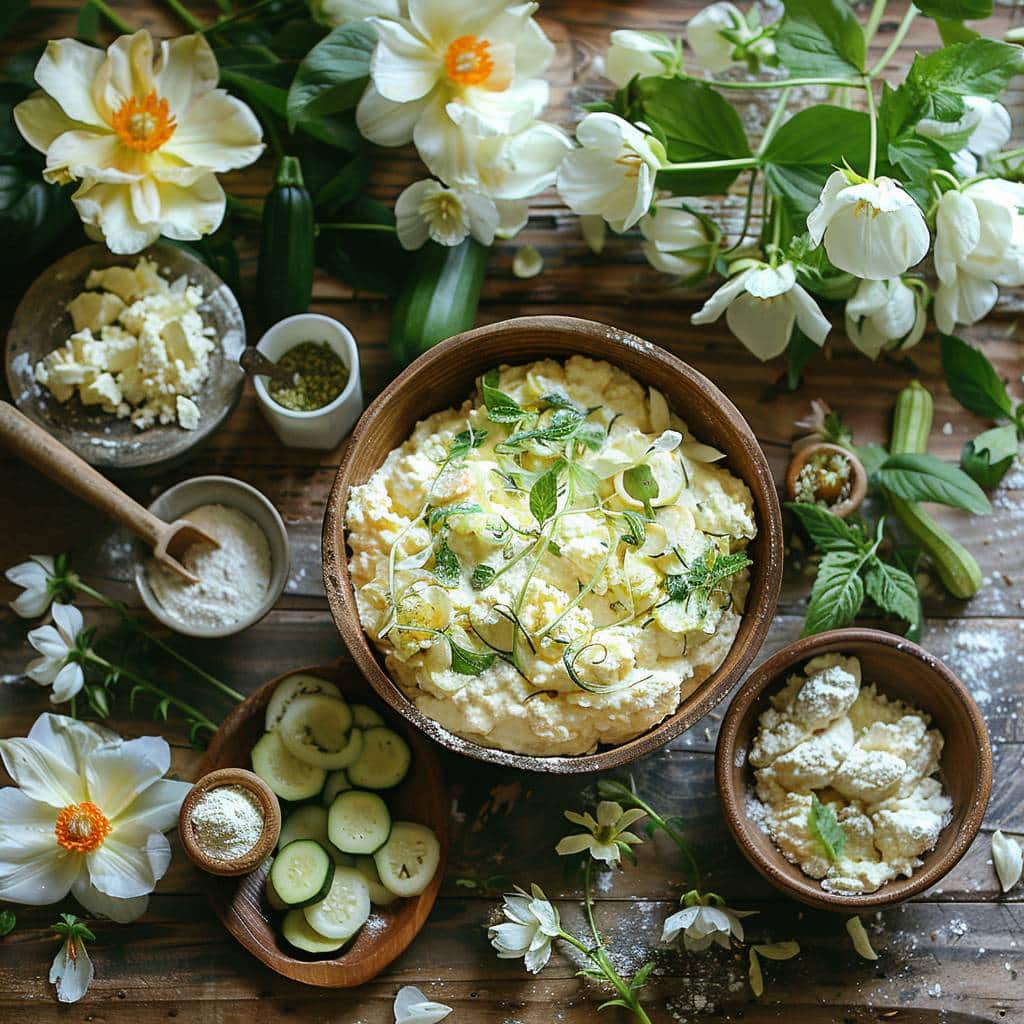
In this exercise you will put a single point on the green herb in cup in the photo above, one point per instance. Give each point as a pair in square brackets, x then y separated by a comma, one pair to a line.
[320, 376]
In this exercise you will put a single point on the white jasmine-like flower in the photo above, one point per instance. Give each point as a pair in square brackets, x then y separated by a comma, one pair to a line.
[532, 922]
[58, 645]
[720, 37]
[72, 972]
[343, 12]
[988, 123]
[1008, 859]
[871, 229]
[427, 209]
[34, 577]
[677, 241]
[612, 172]
[604, 834]
[145, 135]
[761, 305]
[646, 54]
[704, 920]
[451, 68]
[89, 817]
[979, 245]
[413, 1007]
[884, 314]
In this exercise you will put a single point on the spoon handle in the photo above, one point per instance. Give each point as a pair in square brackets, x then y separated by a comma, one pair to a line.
[255, 363]
[30, 443]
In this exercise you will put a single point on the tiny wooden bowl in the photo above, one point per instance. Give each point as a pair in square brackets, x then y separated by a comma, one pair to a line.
[858, 478]
[443, 377]
[240, 903]
[271, 822]
[903, 670]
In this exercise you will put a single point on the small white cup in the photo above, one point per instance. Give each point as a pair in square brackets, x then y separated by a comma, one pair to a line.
[320, 428]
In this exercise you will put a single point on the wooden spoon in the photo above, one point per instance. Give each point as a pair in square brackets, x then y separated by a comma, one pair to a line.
[256, 364]
[35, 446]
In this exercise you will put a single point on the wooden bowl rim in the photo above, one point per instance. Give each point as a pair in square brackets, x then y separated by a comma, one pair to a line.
[250, 860]
[339, 974]
[808, 890]
[711, 692]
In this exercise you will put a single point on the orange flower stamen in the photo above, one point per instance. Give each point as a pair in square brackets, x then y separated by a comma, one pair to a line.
[144, 126]
[81, 828]
[468, 61]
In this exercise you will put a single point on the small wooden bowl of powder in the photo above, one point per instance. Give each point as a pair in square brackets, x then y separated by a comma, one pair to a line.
[230, 822]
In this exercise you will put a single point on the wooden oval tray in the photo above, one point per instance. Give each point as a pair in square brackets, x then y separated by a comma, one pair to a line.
[240, 903]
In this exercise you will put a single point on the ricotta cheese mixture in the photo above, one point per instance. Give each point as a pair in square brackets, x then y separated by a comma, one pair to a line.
[139, 347]
[555, 564]
[828, 743]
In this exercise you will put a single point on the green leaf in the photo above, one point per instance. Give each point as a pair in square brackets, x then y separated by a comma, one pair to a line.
[820, 38]
[464, 442]
[914, 477]
[446, 565]
[952, 31]
[871, 455]
[640, 978]
[483, 576]
[333, 75]
[11, 11]
[703, 577]
[837, 594]
[959, 10]
[467, 662]
[435, 516]
[7, 922]
[973, 380]
[636, 529]
[801, 348]
[544, 495]
[87, 26]
[989, 456]
[501, 408]
[698, 124]
[639, 484]
[828, 532]
[825, 828]
[583, 480]
[563, 425]
[981, 67]
[894, 591]
[32, 213]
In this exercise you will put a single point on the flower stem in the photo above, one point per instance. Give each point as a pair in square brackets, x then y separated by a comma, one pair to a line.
[138, 626]
[241, 208]
[342, 226]
[773, 123]
[873, 123]
[747, 211]
[238, 16]
[112, 16]
[874, 20]
[783, 83]
[894, 43]
[712, 165]
[186, 16]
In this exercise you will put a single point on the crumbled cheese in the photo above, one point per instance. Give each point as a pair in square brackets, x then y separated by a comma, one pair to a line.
[869, 758]
[139, 348]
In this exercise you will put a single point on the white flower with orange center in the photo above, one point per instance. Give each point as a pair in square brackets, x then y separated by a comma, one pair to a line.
[145, 133]
[454, 67]
[89, 817]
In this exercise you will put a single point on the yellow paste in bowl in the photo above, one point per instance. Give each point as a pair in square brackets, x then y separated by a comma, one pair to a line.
[554, 565]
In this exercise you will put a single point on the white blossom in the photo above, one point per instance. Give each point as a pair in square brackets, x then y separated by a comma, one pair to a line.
[413, 1007]
[720, 37]
[989, 127]
[56, 644]
[427, 209]
[633, 53]
[704, 920]
[677, 241]
[885, 315]
[531, 924]
[34, 577]
[605, 832]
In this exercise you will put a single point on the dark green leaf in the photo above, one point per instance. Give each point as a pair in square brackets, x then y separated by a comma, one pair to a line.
[563, 425]
[640, 978]
[698, 124]
[981, 67]
[828, 532]
[343, 187]
[7, 922]
[446, 565]
[364, 260]
[87, 26]
[467, 662]
[822, 136]
[973, 380]
[636, 529]
[837, 594]
[482, 577]
[501, 408]
[464, 442]
[959, 10]
[894, 591]
[559, 399]
[801, 348]
[333, 75]
[914, 477]
[10, 12]
[989, 456]
[32, 213]
[703, 577]
[823, 826]
[820, 38]
[544, 495]
[953, 31]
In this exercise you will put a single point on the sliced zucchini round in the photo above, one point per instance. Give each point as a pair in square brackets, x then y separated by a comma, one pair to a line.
[345, 908]
[297, 931]
[316, 728]
[285, 774]
[365, 717]
[288, 689]
[383, 762]
[275, 901]
[337, 782]
[380, 894]
[358, 822]
[306, 822]
[302, 873]
[408, 860]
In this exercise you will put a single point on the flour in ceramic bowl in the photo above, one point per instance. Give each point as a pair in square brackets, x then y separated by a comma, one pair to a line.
[233, 577]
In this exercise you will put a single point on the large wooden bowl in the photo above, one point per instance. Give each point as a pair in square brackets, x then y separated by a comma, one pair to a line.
[240, 902]
[900, 669]
[443, 377]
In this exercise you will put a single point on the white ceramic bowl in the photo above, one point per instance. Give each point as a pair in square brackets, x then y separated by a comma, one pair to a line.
[321, 428]
[175, 503]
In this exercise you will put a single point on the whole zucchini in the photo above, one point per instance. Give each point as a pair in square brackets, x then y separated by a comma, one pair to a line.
[285, 276]
[438, 299]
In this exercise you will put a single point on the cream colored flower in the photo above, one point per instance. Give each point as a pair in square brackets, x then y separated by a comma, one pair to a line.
[343, 12]
[88, 818]
[704, 920]
[35, 578]
[413, 1007]
[677, 241]
[71, 972]
[885, 315]
[633, 53]
[531, 924]
[720, 37]
[427, 209]
[58, 644]
[451, 67]
[144, 133]
[989, 127]
[604, 834]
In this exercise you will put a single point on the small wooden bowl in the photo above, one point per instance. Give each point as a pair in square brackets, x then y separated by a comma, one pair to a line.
[903, 670]
[271, 822]
[240, 902]
[858, 477]
[443, 377]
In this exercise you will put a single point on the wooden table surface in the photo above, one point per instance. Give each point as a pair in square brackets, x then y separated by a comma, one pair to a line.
[955, 954]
